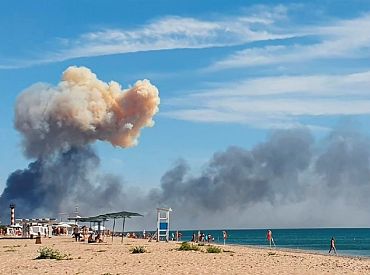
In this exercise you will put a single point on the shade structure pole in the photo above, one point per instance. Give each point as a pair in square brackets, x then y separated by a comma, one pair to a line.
[103, 228]
[114, 224]
[123, 228]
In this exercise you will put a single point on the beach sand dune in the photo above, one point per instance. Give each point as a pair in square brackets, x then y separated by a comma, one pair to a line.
[18, 257]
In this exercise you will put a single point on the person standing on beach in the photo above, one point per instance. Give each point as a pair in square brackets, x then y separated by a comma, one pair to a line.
[224, 233]
[332, 246]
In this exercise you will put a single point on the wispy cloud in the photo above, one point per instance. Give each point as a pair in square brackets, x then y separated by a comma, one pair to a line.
[340, 39]
[355, 84]
[171, 32]
[276, 101]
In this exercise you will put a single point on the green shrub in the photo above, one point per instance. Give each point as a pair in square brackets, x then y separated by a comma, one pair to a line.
[49, 253]
[213, 249]
[185, 246]
[138, 249]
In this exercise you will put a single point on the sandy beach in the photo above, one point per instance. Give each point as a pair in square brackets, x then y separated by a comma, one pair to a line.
[18, 257]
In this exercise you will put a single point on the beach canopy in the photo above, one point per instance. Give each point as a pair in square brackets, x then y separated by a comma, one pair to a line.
[104, 217]
[107, 216]
[120, 215]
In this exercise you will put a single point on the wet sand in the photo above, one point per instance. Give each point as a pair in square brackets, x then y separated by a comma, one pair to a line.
[18, 257]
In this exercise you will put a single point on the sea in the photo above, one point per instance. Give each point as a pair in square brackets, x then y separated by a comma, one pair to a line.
[349, 241]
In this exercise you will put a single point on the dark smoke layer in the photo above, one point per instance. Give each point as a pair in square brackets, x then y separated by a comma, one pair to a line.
[287, 181]
[53, 185]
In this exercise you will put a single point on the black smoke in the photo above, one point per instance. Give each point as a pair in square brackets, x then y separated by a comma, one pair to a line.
[60, 182]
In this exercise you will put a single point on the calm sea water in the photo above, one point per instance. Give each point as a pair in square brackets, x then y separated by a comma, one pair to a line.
[349, 241]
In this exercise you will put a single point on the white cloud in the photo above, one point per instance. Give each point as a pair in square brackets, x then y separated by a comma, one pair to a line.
[172, 32]
[340, 39]
[276, 101]
[291, 107]
[309, 85]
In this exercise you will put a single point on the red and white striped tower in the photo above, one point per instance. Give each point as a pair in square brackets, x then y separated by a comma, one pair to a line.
[12, 214]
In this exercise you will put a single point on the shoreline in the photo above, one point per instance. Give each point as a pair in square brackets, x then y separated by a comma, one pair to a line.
[349, 242]
[18, 257]
[298, 250]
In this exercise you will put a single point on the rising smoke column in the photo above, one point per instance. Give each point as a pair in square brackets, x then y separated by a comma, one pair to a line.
[82, 109]
[57, 124]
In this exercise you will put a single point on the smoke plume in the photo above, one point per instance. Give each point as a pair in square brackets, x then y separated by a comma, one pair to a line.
[49, 186]
[288, 181]
[57, 124]
[82, 109]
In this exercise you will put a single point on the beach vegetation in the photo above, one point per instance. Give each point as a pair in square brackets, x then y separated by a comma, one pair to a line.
[138, 249]
[50, 253]
[185, 246]
[213, 249]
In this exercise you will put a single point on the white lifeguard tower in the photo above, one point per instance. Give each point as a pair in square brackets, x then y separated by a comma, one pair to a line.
[163, 224]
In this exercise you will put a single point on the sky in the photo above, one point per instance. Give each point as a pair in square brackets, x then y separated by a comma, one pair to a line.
[239, 82]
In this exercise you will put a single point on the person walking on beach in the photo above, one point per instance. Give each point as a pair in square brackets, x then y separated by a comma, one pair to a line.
[332, 246]
[269, 237]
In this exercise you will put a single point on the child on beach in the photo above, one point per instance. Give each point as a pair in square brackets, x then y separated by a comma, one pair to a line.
[332, 246]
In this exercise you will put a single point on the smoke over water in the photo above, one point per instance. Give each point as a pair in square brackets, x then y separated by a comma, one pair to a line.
[57, 124]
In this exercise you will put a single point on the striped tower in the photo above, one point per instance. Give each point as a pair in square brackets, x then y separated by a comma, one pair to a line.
[12, 214]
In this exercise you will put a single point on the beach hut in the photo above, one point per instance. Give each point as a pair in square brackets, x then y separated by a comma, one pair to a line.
[65, 228]
[14, 230]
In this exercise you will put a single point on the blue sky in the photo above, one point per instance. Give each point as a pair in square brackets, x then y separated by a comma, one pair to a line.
[228, 72]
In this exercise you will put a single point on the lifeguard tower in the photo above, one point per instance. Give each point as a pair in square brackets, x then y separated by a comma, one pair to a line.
[163, 224]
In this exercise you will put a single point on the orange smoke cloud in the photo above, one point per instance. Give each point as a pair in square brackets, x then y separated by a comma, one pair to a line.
[82, 109]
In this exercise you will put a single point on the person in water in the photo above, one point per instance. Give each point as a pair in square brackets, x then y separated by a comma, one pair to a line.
[332, 246]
